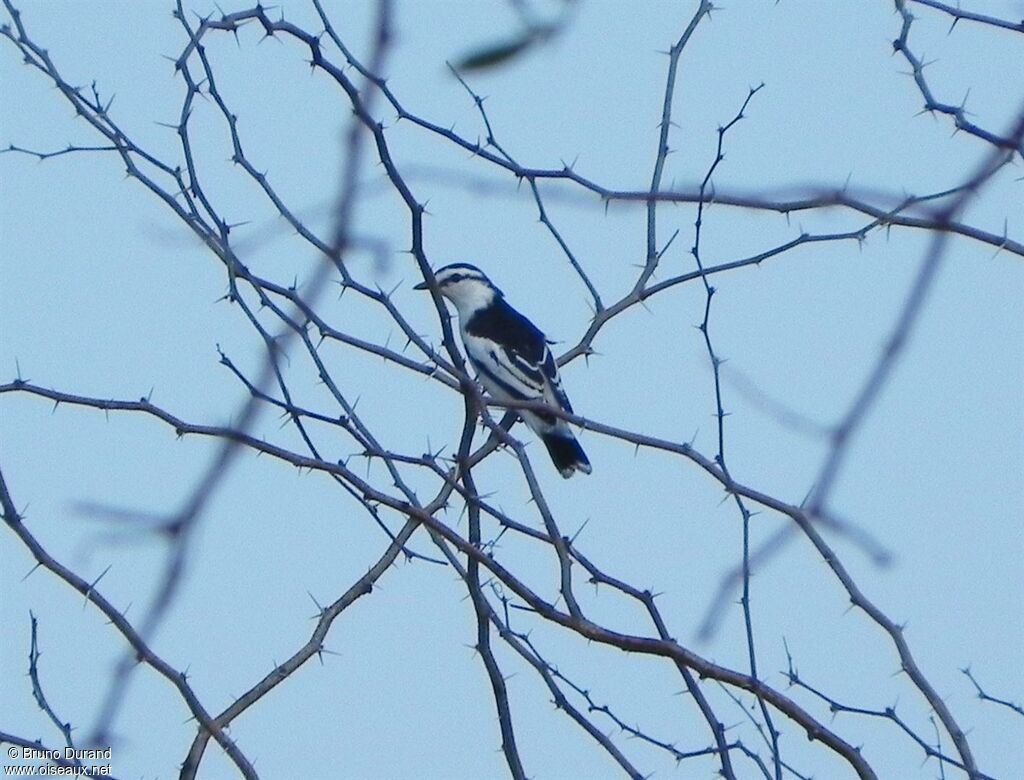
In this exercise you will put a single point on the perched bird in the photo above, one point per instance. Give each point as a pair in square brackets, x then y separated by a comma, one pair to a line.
[511, 358]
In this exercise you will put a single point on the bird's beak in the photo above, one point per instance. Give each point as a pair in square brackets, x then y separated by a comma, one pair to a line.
[421, 286]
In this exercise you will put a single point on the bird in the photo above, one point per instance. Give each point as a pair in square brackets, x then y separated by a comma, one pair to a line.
[511, 358]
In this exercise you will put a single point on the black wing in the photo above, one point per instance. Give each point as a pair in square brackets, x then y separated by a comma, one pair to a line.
[503, 325]
[525, 357]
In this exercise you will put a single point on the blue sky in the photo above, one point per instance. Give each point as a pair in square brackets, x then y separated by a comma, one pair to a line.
[106, 294]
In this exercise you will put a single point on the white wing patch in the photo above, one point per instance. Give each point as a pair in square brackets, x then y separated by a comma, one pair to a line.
[508, 376]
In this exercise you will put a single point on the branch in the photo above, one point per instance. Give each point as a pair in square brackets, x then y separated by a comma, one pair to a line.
[140, 649]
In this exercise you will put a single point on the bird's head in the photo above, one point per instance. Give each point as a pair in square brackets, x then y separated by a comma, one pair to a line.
[464, 285]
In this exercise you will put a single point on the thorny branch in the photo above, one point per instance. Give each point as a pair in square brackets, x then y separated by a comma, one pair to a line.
[390, 496]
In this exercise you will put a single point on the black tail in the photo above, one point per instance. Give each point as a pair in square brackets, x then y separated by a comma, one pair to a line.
[567, 454]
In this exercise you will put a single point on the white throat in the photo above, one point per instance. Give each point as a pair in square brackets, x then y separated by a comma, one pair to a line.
[469, 297]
